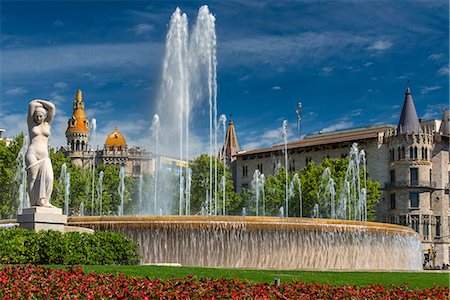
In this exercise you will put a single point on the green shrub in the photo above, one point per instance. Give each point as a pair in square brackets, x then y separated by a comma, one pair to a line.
[21, 246]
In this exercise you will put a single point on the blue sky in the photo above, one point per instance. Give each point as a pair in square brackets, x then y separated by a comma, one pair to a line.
[348, 62]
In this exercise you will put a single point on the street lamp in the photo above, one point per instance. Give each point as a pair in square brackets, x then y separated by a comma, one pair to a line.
[299, 118]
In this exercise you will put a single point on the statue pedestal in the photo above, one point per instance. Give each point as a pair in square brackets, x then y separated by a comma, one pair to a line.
[42, 218]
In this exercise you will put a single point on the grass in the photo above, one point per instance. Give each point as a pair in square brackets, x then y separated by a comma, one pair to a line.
[414, 279]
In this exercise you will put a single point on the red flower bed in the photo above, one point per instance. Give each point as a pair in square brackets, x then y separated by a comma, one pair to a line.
[30, 282]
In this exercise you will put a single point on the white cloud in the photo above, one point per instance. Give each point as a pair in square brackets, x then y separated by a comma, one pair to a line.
[142, 28]
[368, 64]
[67, 58]
[327, 70]
[340, 125]
[17, 91]
[60, 85]
[380, 45]
[427, 89]
[444, 70]
[435, 56]
[356, 112]
[58, 23]
[434, 111]
[276, 87]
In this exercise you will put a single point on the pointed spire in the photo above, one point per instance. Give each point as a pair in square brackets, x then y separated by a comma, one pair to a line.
[79, 97]
[231, 145]
[409, 122]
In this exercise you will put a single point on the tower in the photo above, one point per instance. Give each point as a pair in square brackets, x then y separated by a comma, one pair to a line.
[231, 145]
[77, 130]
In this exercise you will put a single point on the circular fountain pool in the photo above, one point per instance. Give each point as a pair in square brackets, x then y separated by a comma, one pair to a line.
[266, 242]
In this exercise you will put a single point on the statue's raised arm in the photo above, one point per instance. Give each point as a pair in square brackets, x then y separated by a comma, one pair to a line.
[47, 108]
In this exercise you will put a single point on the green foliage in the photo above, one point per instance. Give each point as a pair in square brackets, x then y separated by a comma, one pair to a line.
[21, 246]
[310, 178]
[9, 195]
[200, 167]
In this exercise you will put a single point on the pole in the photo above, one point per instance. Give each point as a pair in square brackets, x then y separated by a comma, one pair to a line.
[299, 119]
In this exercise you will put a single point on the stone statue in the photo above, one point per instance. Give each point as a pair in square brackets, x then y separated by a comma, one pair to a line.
[37, 160]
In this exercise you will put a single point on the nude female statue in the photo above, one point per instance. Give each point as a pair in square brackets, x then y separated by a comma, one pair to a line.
[37, 160]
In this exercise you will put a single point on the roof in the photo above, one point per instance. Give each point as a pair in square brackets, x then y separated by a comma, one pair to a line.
[409, 121]
[81, 122]
[115, 138]
[327, 138]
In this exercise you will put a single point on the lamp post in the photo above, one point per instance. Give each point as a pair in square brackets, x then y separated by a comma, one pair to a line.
[299, 118]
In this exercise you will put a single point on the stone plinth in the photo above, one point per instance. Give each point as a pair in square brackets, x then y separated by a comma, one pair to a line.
[42, 218]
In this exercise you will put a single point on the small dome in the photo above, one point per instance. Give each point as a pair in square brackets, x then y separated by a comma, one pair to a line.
[115, 139]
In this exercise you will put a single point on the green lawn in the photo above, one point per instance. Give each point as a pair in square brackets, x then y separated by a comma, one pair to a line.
[415, 279]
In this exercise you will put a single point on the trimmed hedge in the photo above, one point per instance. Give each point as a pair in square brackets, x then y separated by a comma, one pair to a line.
[21, 246]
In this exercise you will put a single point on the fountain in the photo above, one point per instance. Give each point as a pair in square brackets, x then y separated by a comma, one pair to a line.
[92, 140]
[284, 129]
[64, 181]
[21, 176]
[121, 189]
[100, 193]
[246, 241]
[296, 181]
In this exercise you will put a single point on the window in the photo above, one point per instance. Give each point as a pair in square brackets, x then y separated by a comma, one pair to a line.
[426, 227]
[392, 154]
[415, 153]
[398, 153]
[402, 220]
[244, 171]
[411, 152]
[392, 201]
[438, 226]
[414, 176]
[392, 176]
[415, 223]
[414, 200]
[403, 152]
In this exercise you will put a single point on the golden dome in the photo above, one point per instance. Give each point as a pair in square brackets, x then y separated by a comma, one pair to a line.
[115, 139]
[78, 122]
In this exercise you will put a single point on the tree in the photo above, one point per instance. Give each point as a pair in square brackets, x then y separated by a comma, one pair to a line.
[200, 184]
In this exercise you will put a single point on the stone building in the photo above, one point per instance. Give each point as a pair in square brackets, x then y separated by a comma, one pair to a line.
[410, 161]
[115, 150]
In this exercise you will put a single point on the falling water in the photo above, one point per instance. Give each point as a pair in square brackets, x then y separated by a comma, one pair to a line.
[155, 135]
[100, 193]
[327, 194]
[188, 191]
[223, 121]
[21, 176]
[296, 181]
[64, 182]
[284, 129]
[67, 193]
[189, 65]
[92, 139]
[256, 189]
[81, 209]
[121, 188]
[141, 180]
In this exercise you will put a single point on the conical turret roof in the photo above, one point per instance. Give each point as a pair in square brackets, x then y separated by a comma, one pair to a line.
[409, 121]
[231, 145]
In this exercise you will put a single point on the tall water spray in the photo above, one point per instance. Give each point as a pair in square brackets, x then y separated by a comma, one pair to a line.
[92, 140]
[284, 129]
[100, 193]
[141, 181]
[121, 188]
[155, 135]
[327, 194]
[188, 191]
[64, 181]
[21, 176]
[295, 182]
[257, 185]
[189, 77]
[223, 123]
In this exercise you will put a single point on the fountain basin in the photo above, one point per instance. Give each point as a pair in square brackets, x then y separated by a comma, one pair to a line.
[266, 242]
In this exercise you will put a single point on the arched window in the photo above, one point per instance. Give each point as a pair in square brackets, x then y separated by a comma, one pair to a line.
[82, 146]
[411, 152]
[72, 145]
[398, 153]
[415, 152]
[77, 145]
[403, 152]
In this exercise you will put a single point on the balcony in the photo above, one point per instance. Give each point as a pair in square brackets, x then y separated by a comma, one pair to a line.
[411, 184]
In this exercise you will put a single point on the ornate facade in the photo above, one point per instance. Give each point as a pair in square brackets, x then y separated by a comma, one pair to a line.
[410, 161]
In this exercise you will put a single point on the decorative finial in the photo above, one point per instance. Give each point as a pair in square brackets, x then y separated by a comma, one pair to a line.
[408, 90]
[79, 96]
